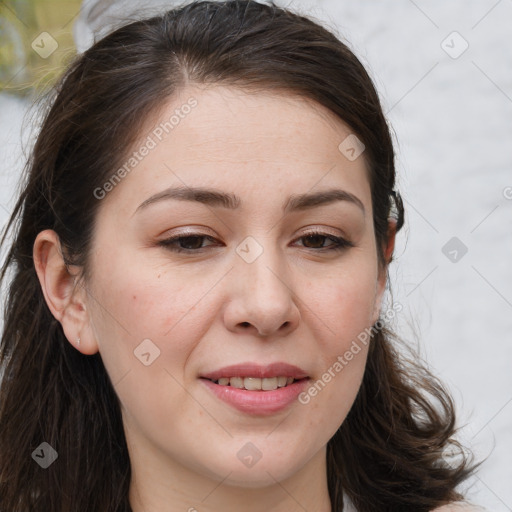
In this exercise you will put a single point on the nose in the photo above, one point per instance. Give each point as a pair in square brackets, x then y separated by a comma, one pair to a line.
[262, 301]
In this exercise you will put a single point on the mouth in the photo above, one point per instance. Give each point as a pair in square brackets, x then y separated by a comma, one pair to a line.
[255, 383]
[257, 389]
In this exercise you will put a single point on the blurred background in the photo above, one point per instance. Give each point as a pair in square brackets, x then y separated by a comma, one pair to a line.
[23, 70]
[444, 73]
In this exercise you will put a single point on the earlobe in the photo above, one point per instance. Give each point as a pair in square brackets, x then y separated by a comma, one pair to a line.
[66, 304]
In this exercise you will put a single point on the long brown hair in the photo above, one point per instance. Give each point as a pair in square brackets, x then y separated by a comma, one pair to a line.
[388, 453]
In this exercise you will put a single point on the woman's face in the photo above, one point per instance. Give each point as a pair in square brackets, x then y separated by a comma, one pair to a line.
[245, 181]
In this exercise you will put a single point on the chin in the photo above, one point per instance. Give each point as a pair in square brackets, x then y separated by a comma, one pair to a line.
[252, 479]
[262, 474]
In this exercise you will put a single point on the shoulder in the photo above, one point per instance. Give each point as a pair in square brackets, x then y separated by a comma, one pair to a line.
[459, 506]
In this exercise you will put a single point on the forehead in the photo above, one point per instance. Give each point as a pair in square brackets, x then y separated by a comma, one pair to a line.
[248, 142]
[260, 125]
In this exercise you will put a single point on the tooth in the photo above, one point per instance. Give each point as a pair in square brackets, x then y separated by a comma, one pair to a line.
[237, 382]
[252, 383]
[268, 384]
[255, 383]
[281, 382]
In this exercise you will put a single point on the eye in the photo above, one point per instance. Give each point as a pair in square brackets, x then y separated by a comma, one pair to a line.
[316, 238]
[185, 243]
[193, 243]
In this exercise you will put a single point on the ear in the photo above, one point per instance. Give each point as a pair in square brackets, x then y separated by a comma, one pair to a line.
[66, 303]
[383, 269]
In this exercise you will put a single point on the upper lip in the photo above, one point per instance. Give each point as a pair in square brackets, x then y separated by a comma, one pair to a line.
[279, 369]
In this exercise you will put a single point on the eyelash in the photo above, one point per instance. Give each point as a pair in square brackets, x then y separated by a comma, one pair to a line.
[339, 243]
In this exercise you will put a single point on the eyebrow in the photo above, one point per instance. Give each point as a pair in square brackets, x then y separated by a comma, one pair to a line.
[217, 198]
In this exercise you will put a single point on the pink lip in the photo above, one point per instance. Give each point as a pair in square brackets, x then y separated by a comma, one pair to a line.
[255, 370]
[257, 402]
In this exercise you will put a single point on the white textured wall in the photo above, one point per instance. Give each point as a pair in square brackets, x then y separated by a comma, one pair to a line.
[453, 123]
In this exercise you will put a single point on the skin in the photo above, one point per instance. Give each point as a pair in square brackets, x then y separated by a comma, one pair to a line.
[297, 302]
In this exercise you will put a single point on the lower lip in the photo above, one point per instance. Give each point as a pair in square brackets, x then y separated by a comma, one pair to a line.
[258, 402]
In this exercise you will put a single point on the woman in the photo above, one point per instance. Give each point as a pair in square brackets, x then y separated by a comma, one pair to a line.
[196, 319]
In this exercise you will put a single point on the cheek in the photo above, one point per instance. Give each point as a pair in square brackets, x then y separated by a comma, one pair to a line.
[137, 300]
[355, 300]
[146, 299]
[344, 304]
[147, 326]
[344, 298]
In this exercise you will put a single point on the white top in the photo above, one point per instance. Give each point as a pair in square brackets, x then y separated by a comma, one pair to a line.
[348, 506]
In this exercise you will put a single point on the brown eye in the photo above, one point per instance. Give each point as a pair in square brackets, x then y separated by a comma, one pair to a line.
[188, 243]
[316, 240]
